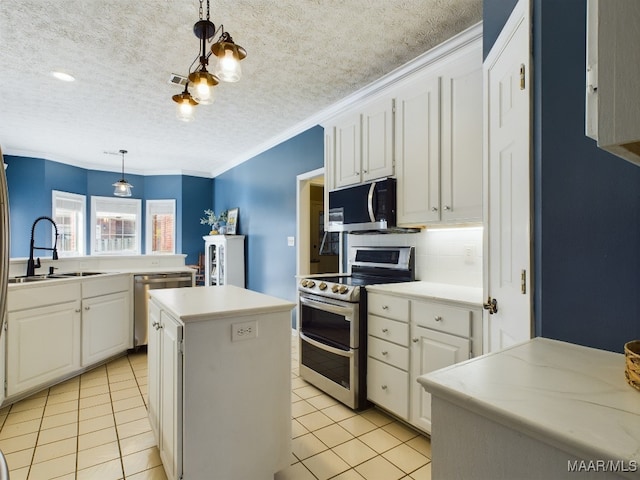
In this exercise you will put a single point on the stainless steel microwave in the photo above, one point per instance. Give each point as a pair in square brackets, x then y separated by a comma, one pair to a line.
[369, 206]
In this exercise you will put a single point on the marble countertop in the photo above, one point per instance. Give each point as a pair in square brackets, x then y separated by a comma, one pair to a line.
[204, 303]
[569, 396]
[431, 291]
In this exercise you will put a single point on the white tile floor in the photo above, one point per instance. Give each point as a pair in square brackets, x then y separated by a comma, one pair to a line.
[95, 427]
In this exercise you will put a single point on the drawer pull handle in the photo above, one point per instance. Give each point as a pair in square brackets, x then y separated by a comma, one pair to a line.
[385, 330]
[415, 340]
[87, 308]
[385, 307]
[437, 318]
[383, 387]
[385, 353]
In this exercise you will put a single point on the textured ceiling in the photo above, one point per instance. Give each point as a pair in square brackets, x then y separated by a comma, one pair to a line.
[303, 56]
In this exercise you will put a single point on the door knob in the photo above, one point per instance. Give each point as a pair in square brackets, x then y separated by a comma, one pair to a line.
[491, 305]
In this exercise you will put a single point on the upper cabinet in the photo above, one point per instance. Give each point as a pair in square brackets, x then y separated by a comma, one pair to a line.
[613, 69]
[363, 144]
[424, 126]
[439, 141]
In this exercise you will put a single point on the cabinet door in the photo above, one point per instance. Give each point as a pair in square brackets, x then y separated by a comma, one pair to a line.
[154, 375]
[377, 139]
[43, 344]
[431, 350]
[106, 327]
[461, 137]
[417, 144]
[348, 155]
[171, 396]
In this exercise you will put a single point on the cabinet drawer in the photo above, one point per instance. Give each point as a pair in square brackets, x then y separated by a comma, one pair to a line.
[396, 332]
[444, 318]
[388, 352]
[43, 294]
[388, 387]
[96, 286]
[389, 306]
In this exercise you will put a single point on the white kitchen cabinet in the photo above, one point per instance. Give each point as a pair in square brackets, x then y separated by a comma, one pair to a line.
[430, 351]
[107, 321]
[224, 260]
[388, 353]
[220, 382]
[363, 144]
[438, 132]
[43, 345]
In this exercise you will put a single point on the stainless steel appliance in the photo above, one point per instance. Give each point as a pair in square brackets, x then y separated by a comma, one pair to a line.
[141, 286]
[333, 320]
[370, 206]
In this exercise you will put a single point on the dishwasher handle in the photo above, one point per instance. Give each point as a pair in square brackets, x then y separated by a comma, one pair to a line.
[148, 281]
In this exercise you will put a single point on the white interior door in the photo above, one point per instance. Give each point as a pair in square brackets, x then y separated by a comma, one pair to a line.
[507, 83]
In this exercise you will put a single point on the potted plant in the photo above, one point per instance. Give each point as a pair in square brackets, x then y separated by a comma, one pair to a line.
[214, 221]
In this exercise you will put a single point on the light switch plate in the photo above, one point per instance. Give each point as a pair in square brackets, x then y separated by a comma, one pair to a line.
[291, 241]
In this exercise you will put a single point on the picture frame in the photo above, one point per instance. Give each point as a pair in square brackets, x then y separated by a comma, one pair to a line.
[232, 221]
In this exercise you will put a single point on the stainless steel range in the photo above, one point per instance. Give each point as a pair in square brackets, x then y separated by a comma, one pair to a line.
[333, 320]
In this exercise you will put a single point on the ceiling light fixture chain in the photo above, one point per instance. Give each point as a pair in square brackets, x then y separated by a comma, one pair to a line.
[200, 83]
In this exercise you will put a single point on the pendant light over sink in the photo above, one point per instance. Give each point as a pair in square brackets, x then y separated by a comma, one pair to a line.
[122, 187]
[199, 88]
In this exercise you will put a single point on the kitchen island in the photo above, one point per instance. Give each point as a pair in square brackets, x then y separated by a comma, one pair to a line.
[220, 382]
[538, 410]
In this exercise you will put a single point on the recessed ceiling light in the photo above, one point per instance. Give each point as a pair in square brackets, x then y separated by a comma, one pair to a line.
[65, 77]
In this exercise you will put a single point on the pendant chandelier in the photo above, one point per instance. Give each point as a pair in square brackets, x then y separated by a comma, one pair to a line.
[199, 89]
[122, 187]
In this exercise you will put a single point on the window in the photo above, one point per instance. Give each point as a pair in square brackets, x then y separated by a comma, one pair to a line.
[160, 227]
[116, 226]
[69, 210]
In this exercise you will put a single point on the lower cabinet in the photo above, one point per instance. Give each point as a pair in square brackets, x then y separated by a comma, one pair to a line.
[431, 350]
[106, 327]
[55, 330]
[408, 338]
[211, 396]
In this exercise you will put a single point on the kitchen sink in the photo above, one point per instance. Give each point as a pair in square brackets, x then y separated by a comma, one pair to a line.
[35, 278]
[76, 274]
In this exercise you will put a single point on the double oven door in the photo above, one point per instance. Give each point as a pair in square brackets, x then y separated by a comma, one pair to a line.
[332, 349]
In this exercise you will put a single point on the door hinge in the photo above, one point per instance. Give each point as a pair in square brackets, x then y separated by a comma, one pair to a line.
[522, 85]
[523, 282]
[181, 347]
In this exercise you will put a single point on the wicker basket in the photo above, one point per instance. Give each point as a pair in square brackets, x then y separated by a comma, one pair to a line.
[632, 369]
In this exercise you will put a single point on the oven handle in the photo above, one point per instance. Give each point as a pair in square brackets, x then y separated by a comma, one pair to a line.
[346, 312]
[323, 346]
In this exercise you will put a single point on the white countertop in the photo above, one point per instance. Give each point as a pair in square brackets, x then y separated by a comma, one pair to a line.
[573, 397]
[205, 303]
[431, 291]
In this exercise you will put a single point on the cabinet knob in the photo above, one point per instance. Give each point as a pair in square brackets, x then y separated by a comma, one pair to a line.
[434, 209]
[415, 340]
[383, 387]
[385, 353]
[364, 171]
[87, 308]
[385, 307]
[447, 208]
[78, 310]
[437, 318]
[385, 330]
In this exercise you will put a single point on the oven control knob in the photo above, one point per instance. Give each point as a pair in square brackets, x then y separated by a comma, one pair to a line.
[303, 283]
[322, 286]
[343, 289]
[311, 284]
[335, 288]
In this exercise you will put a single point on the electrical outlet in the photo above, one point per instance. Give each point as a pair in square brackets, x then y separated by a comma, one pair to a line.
[244, 331]
[470, 254]
[291, 241]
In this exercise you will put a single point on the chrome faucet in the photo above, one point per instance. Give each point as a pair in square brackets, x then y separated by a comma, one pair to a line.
[31, 264]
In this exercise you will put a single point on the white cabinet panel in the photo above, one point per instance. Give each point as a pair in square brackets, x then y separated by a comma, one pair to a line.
[43, 344]
[377, 140]
[391, 330]
[348, 155]
[106, 327]
[387, 386]
[431, 350]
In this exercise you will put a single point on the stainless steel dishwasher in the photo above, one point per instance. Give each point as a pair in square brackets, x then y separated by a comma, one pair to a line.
[141, 286]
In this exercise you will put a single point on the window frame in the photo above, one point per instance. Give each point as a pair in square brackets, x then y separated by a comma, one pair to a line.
[81, 232]
[148, 247]
[131, 202]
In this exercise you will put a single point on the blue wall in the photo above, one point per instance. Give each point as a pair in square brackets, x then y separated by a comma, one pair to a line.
[264, 189]
[586, 201]
[31, 181]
